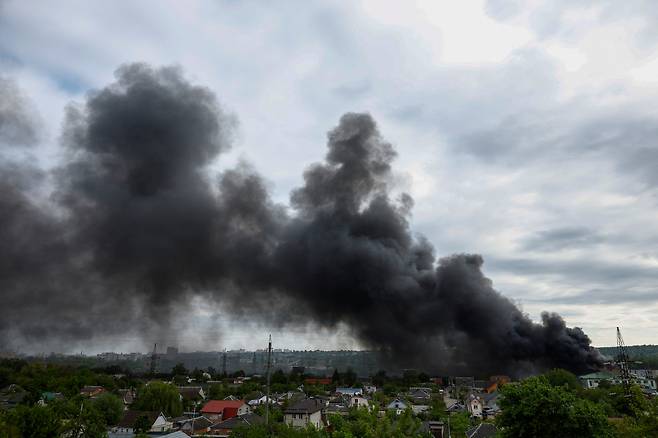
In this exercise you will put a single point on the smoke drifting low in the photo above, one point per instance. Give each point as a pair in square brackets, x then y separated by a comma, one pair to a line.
[135, 226]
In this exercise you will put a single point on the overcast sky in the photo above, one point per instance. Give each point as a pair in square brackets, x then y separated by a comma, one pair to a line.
[526, 130]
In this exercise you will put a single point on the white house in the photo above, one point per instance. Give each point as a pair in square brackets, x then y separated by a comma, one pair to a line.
[260, 401]
[157, 421]
[304, 413]
[357, 401]
[397, 405]
[474, 405]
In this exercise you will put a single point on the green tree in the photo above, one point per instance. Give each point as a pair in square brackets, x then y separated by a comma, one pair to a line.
[536, 408]
[218, 392]
[560, 377]
[158, 396]
[179, 370]
[278, 377]
[437, 409]
[459, 423]
[335, 378]
[634, 404]
[110, 406]
[349, 377]
[197, 374]
[142, 424]
[36, 422]
[88, 423]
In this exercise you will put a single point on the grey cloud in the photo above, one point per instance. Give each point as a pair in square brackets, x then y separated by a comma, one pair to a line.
[602, 296]
[18, 123]
[562, 238]
[579, 271]
[622, 137]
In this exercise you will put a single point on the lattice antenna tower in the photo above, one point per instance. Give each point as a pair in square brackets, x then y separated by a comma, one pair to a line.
[622, 362]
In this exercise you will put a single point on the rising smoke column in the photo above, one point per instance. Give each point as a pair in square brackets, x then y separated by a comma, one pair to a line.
[140, 226]
[349, 254]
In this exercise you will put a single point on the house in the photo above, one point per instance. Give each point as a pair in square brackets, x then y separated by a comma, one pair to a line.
[482, 430]
[225, 428]
[436, 428]
[397, 405]
[177, 434]
[592, 380]
[196, 426]
[646, 374]
[304, 413]
[474, 405]
[260, 401]
[127, 396]
[157, 421]
[357, 401]
[337, 408]
[419, 409]
[317, 381]
[490, 404]
[420, 395]
[455, 407]
[220, 410]
[12, 395]
[91, 391]
[349, 391]
[191, 393]
[644, 378]
[47, 397]
[369, 389]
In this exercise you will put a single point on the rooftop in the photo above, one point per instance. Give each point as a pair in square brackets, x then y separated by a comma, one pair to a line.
[307, 406]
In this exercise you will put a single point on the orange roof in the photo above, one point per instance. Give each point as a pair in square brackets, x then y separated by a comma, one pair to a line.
[218, 406]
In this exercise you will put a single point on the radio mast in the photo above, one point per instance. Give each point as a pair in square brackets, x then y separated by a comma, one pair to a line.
[622, 361]
[267, 397]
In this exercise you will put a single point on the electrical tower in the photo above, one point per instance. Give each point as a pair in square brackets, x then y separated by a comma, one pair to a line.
[622, 361]
[154, 360]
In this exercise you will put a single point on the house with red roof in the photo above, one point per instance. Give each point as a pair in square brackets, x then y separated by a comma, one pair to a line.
[317, 381]
[220, 410]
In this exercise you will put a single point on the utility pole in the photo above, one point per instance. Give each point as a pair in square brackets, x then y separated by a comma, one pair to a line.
[224, 364]
[622, 361]
[267, 398]
[193, 417]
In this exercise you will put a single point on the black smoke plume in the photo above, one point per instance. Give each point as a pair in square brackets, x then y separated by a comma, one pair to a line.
[136, 224]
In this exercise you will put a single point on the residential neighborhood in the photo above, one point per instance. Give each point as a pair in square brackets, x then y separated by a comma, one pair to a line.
[205, 403]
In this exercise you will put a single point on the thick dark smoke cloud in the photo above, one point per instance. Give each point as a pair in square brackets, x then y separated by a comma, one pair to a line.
[137, 225]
